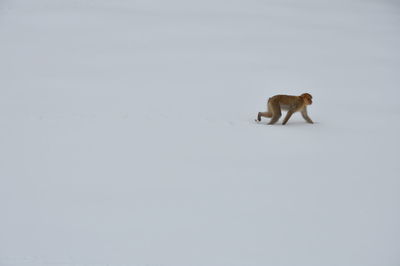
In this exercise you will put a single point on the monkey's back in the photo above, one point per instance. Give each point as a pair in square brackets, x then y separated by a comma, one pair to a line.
[286, 102]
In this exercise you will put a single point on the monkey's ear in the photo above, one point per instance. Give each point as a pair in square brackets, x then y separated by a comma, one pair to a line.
[304, 95]
[307, 95]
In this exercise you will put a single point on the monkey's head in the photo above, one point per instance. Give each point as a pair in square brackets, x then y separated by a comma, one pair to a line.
[307, 98]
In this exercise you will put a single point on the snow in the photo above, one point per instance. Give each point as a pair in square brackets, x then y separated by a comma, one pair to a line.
[128, 135]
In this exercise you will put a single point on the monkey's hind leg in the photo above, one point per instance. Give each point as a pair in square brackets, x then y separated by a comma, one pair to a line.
[267, 114]
[263, 114]
[276, 112]
[274, 119]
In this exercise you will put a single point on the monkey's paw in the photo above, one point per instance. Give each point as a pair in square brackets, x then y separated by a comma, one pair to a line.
[258, 117]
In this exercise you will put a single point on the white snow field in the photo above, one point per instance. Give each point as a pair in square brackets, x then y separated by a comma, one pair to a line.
[127, 133]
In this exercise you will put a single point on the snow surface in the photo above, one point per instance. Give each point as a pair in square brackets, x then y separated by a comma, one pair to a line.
[128, 135]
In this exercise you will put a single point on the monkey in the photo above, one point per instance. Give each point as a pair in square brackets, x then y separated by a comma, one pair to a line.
[286, 102]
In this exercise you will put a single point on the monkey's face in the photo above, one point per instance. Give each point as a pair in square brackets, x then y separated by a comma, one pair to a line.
[307, 98]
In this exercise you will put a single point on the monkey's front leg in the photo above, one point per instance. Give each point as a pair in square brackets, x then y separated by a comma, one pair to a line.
[288, 115]
[305, 116]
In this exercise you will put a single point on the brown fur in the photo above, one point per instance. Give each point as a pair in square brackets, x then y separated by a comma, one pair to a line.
[287, 102]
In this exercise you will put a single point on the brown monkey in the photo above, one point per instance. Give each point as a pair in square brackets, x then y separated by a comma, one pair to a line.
[287, 102]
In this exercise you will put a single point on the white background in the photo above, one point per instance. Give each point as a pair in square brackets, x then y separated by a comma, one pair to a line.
[127, 133]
